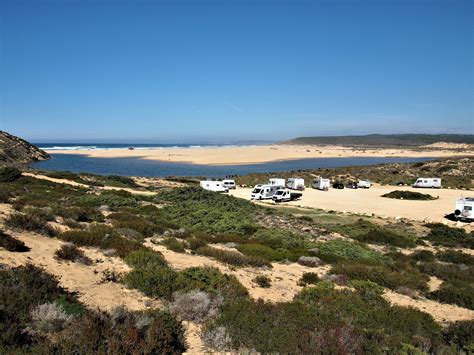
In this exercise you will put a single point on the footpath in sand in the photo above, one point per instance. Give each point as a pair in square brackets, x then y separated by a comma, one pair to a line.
[369, 201]
[267, 153]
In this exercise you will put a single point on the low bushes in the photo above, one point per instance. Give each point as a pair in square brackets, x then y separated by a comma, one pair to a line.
[72, 253]
[455, 257]
[270, 254]
[174, 244]
[409, 195]
[423, 255]
[386, 237]
[81, 214]
[9, 174]
[455, 292]
[263, 281]
[335, 250]
[102, 237]
[31, 223]
[132, 221]
[308, 278]
[12, 244]
[441, 234]
[232, 257]
[195, 306]
[390, 276]
[460, 336]
[154, 282]
[310, 261]
[145, 259]
[325, 320]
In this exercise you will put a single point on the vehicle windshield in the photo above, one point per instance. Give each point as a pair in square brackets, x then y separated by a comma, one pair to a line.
[256, 191]
[279, 192]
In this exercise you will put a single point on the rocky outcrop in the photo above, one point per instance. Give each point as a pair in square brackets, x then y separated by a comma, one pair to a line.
[14, 150]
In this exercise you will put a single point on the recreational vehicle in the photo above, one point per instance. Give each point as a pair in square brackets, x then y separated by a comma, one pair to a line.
[295, 184]
[230, 184]
[216, 186]
[434, 183]
[276, 181]
[465, 209]
[364, 184]
[321, 184]
[264, 192]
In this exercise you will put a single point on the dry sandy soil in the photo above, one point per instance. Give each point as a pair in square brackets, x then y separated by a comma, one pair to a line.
[266, 153]
[369, 201]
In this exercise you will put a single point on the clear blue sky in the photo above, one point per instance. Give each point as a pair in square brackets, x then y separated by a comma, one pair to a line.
[223, 70]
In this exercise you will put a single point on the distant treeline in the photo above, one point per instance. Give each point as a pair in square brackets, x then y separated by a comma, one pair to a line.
[385, 140]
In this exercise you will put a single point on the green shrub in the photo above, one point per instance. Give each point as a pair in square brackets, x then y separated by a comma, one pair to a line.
[455, 292]
[197, 209]
[19, 221]
[460, 336]
[195, 243]
[232, 257]
[449, 272]
[263, 281]
[81, 214]
[441, 234]
[280, 238]
[409, 195]
[308, 278]
[455, 257]
[390, 276]
[145, 259]
[367, 289]
[72, 253]
[270, 254]
[334, 250]
[5, 196]
[12, 244]
[112, 198]
[174, 244]
[386, 237]
[211, 280]
[9, 174]
[154, 282]
[423, 255]
[325, 320]
[132, 221]
[102, 237]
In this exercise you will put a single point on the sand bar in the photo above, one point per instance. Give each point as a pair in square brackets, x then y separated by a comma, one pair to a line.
[266, 153]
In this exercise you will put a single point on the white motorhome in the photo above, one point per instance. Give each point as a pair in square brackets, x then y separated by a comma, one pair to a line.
[465, 209]
[321, 184]
[276, 181]
[216, 186]
[230, 184]
[434, 183]
[264, 192]
[364, 184]
[295, 184]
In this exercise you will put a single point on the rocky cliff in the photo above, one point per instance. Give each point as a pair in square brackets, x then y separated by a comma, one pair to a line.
[14, 150]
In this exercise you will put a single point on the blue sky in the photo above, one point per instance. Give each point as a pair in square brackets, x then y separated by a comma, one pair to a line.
[178, 71]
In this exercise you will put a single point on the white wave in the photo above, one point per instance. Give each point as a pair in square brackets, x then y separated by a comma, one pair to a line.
[76, 147]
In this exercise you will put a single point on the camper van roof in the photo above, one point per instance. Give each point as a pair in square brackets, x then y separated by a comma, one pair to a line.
[467, 199]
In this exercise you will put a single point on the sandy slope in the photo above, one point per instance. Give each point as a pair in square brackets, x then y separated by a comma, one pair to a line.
[264, 153]
[369, 201]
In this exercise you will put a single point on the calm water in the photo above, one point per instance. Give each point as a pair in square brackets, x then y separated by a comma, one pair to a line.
[141, 167]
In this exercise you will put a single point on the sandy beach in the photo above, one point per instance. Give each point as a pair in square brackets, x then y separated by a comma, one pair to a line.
[268, 153]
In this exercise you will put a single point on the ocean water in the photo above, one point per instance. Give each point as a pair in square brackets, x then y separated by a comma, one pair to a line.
[149, 168]
[137, 146]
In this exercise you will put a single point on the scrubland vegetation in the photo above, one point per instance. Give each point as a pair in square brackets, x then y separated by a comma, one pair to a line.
[409, 195]
[362, 255]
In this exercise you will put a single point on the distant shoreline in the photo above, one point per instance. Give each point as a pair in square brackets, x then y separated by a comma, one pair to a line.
[256, 154]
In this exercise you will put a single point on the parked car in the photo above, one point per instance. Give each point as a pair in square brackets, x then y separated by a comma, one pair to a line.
[338, 185]
[230, 184]
[264, 192]
[364, 184]
[434, 183]
[464, 209]
[285, 195]
[352, 185]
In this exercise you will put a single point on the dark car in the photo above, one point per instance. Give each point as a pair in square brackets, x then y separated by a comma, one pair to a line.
[352, 185]
[338, 185]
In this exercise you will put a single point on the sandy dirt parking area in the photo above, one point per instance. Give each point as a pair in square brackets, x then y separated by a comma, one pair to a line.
[369, 201]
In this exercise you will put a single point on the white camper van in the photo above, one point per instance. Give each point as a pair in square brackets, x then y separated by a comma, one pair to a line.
[230, 184]
[465, 209]
[216, 186]
[264, 192]
[364, 184]
[295, 184]
[434, 183]
[321, 184]
[276, 181]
